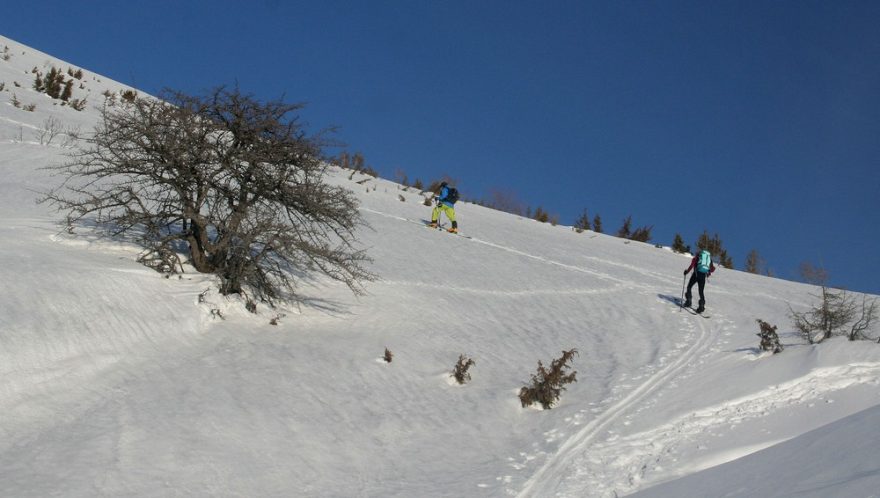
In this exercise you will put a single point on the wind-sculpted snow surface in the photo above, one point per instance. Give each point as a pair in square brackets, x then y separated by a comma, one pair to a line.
[116, 381]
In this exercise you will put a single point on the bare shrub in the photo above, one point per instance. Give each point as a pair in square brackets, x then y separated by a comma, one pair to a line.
[836, 311]
[547, 385]
[77, 104]
[460, 371]
[754, 262]
[71, 136]
[388, 356]
[52, 127]
[400, 177]
[505, 201]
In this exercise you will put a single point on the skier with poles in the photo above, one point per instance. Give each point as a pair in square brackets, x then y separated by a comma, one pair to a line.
[703, 267]
[445, 203]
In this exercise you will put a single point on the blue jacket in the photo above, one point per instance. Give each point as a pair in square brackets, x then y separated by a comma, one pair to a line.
[444, 192]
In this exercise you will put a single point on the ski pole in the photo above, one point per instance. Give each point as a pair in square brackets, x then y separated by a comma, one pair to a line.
[681, 303]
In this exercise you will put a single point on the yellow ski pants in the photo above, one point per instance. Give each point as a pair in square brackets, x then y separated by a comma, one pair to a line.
[448, 210]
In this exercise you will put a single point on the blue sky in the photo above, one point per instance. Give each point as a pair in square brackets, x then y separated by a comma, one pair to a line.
[758, 121]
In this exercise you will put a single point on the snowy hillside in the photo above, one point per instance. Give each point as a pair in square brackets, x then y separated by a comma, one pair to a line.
[115, 381]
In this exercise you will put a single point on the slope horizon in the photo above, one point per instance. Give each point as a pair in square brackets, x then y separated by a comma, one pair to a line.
[117, 381]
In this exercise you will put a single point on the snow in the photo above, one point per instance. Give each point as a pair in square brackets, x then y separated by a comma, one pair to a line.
[119, 382]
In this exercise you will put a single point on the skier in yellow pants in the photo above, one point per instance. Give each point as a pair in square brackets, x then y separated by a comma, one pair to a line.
[445, 204]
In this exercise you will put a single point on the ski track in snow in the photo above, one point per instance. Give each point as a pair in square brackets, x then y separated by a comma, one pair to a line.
[569, 460]
[631, 457]
[580, 269]
[583, 465]
[616, 465]
[545, 480]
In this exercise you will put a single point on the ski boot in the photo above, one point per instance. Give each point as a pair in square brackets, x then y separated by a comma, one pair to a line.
[454, 228]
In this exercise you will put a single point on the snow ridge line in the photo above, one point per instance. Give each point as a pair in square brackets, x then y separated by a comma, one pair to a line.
[554, 468]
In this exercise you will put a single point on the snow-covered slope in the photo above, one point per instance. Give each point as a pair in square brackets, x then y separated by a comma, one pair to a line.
[115, 381]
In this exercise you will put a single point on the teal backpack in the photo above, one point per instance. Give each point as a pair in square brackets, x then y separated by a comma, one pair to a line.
[704, 261]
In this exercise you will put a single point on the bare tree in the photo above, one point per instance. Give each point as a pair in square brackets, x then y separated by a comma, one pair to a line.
[835, 313]
[754, 262]
[867, 315]
[233, 183]
[506, 201]
[52, 127]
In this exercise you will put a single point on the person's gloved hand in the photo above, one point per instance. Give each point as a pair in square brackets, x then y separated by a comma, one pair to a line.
[685, 272]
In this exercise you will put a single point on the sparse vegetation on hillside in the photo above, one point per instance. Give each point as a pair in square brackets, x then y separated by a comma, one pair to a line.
[679, 246]
[756, 264]
[769, 337]
[232, 182]
[597, 224]
[641, 234]
[505, 201]
[835, 313]
[547, 384]
[582, 223]
[354, 162]
[55, 85]
[460, 370]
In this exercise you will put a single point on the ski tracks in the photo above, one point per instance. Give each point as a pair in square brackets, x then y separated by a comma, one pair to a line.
[545, 481]
[580, 269]
[572, 457]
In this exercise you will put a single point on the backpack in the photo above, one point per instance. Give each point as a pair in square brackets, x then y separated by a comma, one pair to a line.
[451, 195]
[704, 262]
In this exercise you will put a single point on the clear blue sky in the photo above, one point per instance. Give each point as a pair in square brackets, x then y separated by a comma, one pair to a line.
[756, 120]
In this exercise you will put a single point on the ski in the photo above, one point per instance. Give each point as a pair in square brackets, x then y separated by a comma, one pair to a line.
[440, 228]
[694, 312]
[681, 306]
